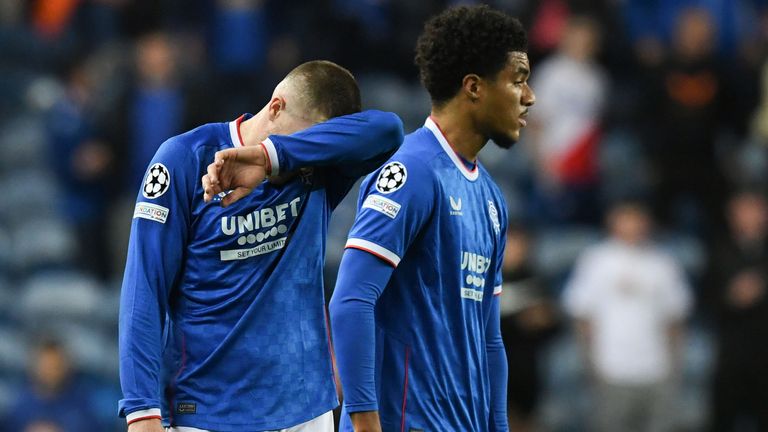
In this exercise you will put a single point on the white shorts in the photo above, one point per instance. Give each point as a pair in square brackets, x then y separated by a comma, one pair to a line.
[321, 423]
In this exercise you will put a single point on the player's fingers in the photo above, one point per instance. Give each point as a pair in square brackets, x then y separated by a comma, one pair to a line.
[234, 196]
[213, 177]
[207, 190]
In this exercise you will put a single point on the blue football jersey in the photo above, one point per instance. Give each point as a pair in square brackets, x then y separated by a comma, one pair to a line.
[222, 315]
[443, 227]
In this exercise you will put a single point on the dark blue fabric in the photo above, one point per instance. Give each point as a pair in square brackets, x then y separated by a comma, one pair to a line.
[362, 278]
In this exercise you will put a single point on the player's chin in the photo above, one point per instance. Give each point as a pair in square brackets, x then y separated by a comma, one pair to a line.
[508, 139]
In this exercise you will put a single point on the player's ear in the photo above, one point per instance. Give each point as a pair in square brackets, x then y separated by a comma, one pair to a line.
[471, 85]
[275, 106]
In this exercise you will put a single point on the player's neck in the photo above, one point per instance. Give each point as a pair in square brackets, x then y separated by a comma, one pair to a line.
[459, 130]
[254, 130]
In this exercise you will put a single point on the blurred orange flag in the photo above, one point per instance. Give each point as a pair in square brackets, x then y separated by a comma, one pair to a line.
[50, 17]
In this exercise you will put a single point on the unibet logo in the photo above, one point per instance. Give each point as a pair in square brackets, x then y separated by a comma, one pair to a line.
[260, 231]
[476, 266]
[474, 262]
[267, 220]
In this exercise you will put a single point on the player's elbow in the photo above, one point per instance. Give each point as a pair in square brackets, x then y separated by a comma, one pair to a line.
[494, 344]
[338, 307]
[388, 128]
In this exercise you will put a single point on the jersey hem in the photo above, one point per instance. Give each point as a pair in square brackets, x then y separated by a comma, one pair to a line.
[179, 420]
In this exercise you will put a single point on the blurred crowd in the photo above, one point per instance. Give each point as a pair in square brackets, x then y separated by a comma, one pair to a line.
[637, 263]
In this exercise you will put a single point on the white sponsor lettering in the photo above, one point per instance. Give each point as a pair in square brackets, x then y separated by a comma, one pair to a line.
[228, 225]
[151, 212]
[245, 223]
[382, 205]
[474, 262]
[257, 219]
[469, 293]
[239, 254]
[477, 266]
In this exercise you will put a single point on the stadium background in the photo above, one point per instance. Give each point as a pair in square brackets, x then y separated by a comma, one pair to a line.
[651, 100]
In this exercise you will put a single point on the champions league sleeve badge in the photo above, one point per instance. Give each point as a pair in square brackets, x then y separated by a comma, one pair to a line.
[391, 178]
[157, 182]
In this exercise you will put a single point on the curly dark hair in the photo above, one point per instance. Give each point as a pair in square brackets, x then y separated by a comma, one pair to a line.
[465, 40]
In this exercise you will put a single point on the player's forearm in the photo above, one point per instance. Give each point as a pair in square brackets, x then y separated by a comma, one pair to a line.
[497, 370]
[366, 421]
[140, 356]
[143, 306]
[356, 141]
[361, 280]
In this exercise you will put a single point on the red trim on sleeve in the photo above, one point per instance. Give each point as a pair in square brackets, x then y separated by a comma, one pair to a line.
[372, 253]
[269, 161]
[237, 126]
[145, 418]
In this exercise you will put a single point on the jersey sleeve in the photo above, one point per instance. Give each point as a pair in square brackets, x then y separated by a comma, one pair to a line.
[356, 144]
[498, 369]
[494, 345]
[157, 242]
[498, 278]
[395, 202]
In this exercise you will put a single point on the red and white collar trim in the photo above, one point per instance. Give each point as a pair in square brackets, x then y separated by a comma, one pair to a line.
[234, 132]
[435, 128]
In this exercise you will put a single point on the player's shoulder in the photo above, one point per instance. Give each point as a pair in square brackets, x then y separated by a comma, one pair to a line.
[486, 177]
[419, 151]
[209, 137]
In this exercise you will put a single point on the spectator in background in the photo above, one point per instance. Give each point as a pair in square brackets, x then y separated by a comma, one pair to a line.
[629, 301]
[528, 321]
[687, 109]
[82, 162]
[566, 127]
[159, 101]
[738, 284]
[54, 401]
[240, 37]
[156, 111]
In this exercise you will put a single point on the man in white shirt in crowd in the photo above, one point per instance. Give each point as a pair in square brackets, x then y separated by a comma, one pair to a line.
[630, 301]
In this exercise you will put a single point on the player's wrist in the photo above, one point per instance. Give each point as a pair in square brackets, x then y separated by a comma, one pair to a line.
[146, 425]
[150, 414]
[271, 161]
[365, 421]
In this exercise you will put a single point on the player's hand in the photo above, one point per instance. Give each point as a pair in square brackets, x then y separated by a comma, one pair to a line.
[366, 421]
[240, 170]
[148, 425]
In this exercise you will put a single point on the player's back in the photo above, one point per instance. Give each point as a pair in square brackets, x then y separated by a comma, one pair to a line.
[431, 365]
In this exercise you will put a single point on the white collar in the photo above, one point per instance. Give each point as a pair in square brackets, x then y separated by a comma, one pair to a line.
[234, 132]
[432, 126]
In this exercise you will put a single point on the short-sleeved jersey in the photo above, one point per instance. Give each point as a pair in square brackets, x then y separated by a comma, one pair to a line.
[442, 226]
[222, 315]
